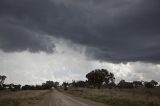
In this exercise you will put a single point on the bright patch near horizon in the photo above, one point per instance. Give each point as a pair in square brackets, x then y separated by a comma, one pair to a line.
[68, 62]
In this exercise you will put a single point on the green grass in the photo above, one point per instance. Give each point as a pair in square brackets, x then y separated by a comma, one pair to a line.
[9, 102]
[118, 102]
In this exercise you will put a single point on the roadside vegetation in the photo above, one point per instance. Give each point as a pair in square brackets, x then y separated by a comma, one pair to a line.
[21, 98]
[100, 86]
[120, 97]
[26, 95]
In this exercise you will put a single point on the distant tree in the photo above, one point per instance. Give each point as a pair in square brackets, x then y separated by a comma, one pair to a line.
[154, 82]
[26, 87]
[2, 78]
[39, 87]
[56, 84]
[73, 84]
[137, 84]
[13, 87]
[65, 85]
[80, 84]
[6, 86]
[124, 84]
[150, 84]
[98, 76]
[111, 85]
[121, 84]
[48, 85]
[29, 87]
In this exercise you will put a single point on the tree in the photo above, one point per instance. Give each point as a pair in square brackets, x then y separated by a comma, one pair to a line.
[28, 87]
[154, 83]
[111, 85]
[73, 84]
[13, 87]
[65, 85]
[2, 78]
[56, 84]
[124, 84]
[137, 84]
[98, 76]
[150, 84]
[48, 85]
[79, 84]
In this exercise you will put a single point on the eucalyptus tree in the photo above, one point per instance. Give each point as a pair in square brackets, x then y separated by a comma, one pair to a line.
[2, 79]
[99, 76]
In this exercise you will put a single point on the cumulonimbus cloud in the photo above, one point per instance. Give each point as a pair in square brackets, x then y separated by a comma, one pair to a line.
[117, 31]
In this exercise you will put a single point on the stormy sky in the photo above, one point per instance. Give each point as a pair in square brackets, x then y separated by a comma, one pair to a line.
[65, 39]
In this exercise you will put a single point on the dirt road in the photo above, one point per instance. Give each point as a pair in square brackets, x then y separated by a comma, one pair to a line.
[56, 98]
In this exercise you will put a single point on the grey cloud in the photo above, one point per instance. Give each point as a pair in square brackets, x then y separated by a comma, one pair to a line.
[117, 31]
[151, 70]
[15, 38]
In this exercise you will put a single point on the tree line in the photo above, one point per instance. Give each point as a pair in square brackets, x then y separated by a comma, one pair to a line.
[98, 78]
[14, 87]
[102, 78]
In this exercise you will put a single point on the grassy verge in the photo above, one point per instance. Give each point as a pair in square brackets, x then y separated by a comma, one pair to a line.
[21, 98]
[118, 102]
[9, 102]
[116, 97]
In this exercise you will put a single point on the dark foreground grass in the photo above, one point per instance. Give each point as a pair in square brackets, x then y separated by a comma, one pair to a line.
[118, 102]
[9, 102]
[22, 98]
[116, 98]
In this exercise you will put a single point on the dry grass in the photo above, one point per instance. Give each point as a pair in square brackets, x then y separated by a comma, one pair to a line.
[21, 98]
[142, 97]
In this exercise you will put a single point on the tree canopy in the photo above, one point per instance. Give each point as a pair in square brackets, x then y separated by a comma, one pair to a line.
[99, 76]
[2, 79]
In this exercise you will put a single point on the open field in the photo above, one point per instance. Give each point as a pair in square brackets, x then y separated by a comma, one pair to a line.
[120, 97]
[21, 98]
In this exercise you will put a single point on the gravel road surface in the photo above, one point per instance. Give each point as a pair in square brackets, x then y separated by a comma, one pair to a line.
[56, 98]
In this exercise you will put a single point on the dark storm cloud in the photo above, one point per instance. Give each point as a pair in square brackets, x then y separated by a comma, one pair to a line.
[15, 38]
[116, 31]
